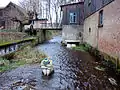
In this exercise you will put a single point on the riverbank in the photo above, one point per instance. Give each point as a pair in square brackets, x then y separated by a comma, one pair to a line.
[27, 55]
[74, 70]
[81, 47]
[104, 64]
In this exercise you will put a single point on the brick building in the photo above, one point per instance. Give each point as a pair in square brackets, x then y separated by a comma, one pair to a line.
[102, 25]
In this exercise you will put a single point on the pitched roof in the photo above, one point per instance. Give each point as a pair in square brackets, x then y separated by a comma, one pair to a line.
[81, 2]
[19, 8]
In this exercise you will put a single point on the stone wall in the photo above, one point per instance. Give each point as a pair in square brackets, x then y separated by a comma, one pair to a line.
[106, 38]
[72, 32]
[90, 36]
[11, 36]
[8, 48]
[41, 36]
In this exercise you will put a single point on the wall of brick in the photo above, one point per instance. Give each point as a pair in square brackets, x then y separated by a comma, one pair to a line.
[106, 38]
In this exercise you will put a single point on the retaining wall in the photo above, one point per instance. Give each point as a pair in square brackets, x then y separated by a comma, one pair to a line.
[7, 48]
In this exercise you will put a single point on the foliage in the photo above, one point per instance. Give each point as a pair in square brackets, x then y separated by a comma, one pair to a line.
[4, 64]
[51, 7]
[8, 65]
[81, 48]
[48, 35]
[27, 55]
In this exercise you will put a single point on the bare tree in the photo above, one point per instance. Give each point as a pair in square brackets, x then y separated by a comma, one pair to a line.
[56, 8]
[31, 5]
[48, 10]
[45, 8]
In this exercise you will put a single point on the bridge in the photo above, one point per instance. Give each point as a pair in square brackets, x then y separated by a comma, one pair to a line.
[45, 26]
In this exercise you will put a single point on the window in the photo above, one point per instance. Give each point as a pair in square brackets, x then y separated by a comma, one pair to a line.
[1, 13]
[73, 18]
[100, 22]
[89, 2]
[80, 34]
[89, 30]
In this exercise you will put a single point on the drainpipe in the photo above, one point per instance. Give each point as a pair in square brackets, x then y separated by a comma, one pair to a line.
[97, 37]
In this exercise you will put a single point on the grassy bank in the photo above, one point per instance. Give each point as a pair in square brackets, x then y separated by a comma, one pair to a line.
[81, 47]
[27, 55]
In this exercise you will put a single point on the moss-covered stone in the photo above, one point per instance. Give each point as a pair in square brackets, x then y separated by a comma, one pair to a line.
[17, 41]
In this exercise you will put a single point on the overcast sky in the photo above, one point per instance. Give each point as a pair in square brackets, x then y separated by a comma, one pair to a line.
[3, 3]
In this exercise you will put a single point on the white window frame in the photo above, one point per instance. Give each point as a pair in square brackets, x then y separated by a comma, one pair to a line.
[73, 17]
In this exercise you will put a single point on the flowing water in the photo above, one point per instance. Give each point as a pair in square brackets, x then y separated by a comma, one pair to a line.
[74, 70]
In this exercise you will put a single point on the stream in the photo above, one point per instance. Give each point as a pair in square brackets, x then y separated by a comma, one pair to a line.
[74, 70]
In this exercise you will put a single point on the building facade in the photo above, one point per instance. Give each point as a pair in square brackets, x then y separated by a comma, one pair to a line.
[37, 24]
[72, 22]
[102, 25]
[10, 12]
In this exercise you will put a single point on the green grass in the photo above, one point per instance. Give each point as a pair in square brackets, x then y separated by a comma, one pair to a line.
[7, 65]
[48, 35]
[11, 66]
[16, 41]
[81, 48]
[26, 56]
